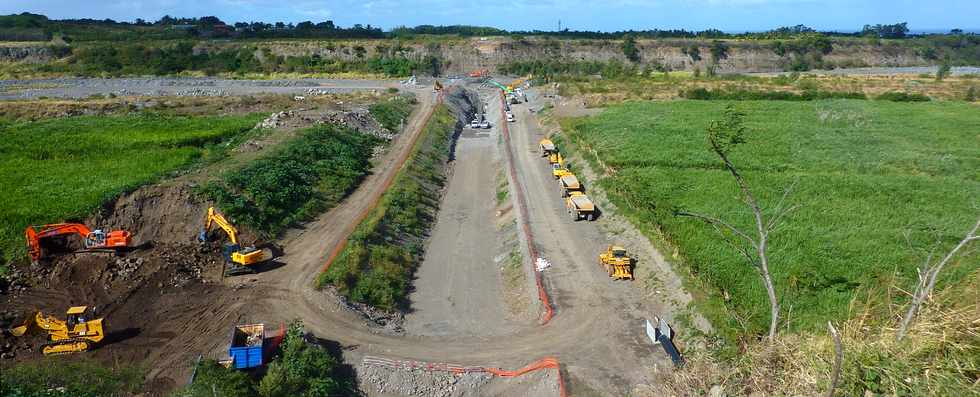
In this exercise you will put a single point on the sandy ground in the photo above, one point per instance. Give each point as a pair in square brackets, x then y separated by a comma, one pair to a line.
[457, 286]
[179, 86]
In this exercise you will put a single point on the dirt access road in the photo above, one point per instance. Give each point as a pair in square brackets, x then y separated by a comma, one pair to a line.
[458, 286]
[597, 332]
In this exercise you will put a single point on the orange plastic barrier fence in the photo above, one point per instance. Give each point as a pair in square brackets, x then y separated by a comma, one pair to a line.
[387, 183]
[525, 226]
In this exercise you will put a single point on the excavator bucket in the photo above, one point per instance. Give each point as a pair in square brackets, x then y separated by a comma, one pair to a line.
[19, 331]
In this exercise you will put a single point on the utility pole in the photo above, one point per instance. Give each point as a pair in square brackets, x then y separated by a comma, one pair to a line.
[559, 25]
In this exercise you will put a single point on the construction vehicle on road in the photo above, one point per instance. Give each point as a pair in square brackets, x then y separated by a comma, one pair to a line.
[579, 206]
[569, 183]
[72, 335]
[94, 239]
[240, 260]
[479, 73]
[617, 263]
[547, 147]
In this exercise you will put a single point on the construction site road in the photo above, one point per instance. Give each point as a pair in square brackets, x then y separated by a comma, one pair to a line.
[457, 290]
[597, 333]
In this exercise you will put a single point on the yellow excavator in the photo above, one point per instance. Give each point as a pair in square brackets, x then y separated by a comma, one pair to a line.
[617, 263]
[75, 334]
[240, 260]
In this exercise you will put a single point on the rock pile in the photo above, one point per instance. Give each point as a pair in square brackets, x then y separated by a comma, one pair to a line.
[405, 382]
[275, 120]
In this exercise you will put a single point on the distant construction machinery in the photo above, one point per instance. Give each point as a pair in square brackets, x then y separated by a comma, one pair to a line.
[94, 240]
[79, 332]
[617, 263]
[240, 260]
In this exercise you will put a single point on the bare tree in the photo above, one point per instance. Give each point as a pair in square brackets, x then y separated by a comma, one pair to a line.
[724, 135]
[838, 358]
[928, 274]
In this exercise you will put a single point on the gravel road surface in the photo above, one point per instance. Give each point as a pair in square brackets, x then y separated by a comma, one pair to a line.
[179, 86]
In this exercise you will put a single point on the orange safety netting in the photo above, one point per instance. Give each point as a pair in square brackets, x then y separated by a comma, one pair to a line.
[544, 363]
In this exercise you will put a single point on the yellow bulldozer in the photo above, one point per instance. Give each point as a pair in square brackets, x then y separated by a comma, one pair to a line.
[240, 260]
[75, 334]
[617, 263]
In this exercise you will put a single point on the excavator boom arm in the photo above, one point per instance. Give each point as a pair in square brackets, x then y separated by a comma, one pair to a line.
[215, 217]
[34, 234]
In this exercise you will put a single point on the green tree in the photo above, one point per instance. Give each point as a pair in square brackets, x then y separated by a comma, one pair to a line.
[629, 49]
[303, 369]
[944, 69]
[213, 379]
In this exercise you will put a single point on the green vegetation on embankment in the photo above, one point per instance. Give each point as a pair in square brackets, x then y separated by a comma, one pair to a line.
[381, 255]
[53, 376]
[183, 57]
[62, 169]
[391, 113]
[304, 177]
[877, 183]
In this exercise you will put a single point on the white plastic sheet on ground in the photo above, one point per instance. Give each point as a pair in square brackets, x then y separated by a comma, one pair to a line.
[540, 264]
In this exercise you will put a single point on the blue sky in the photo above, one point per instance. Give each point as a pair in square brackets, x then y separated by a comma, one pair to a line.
[728, 15]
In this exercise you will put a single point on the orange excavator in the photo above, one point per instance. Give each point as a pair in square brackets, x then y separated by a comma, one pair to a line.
[94, 239]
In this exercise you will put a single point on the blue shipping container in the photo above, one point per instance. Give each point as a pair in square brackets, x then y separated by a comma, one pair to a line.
[246, 345]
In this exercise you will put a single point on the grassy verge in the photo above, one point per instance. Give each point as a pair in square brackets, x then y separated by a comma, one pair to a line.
[53, 376]
[302, 178]
[938, 357]
[393, 112]
[872, 177]
[63, 169]
[383, 252]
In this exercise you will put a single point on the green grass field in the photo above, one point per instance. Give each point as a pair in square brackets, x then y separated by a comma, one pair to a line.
[873, 178]
[62, 169]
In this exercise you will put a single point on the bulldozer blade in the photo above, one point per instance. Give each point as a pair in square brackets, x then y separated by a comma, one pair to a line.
[267, 254]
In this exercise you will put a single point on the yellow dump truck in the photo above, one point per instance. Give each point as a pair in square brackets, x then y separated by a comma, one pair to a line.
[579, 206]
[617, 263]
[547, 147]
[569, 183]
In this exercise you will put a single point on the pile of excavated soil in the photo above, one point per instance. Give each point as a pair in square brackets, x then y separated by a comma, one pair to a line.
[135, 293]
[379, 380]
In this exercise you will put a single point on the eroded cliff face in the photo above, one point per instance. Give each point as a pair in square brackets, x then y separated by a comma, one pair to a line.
[464, 55]
[472, 54]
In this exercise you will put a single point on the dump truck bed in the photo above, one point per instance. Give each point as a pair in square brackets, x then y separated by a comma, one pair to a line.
[582, 203]
[246, 345]
[549, 146]
[569, 181]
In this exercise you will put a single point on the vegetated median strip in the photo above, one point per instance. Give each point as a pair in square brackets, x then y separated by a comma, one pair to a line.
[374, 263]
[525, 226]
